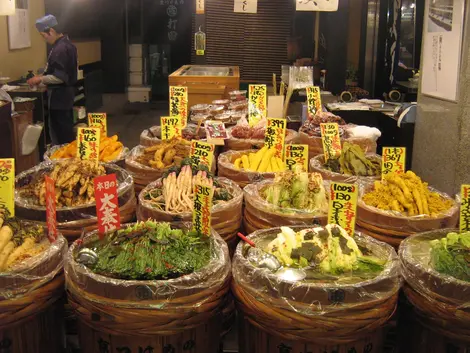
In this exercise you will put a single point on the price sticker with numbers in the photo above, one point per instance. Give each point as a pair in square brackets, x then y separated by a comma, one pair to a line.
[393, 160]
[7, 185]
[179, 103]
[257, 103]
[343, 206]
[313, 100]
[275, 135]
[98, 120]
[202, 209]
[297, 155]
[88, 143]
[171, 127]
[202, 153]
[331, 140]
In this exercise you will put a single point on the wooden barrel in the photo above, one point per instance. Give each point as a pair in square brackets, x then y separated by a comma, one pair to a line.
[280, 316]
[226, 218]
[152, 136]
[317, 166]
[260, 214]
[72, 222]
[31, 312]
[177, 315]
[440, 301]
[237, 144]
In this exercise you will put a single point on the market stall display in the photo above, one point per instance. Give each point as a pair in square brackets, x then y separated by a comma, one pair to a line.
[310, 134]
[164, 286]
[292, 198]
[436, 267]
[170, 199]
[332, 292]
[76, 208]
[402, 205]
[352, 166]
[152, 136]
[222, 110]
[31, 284]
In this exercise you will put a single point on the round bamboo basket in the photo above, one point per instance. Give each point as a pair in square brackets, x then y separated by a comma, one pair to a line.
[279, 314]
[393, 228]
[30, 304]
[315, 145]
[441, 302]
[260, 214]
[226, 218]
[317, 166]
[150, 137]
[73, 221]
[176, 315]
[237, 144]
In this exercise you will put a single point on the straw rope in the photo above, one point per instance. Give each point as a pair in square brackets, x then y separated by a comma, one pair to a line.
[331, 328]
[19, 310]
[178, 314]
[441, 315]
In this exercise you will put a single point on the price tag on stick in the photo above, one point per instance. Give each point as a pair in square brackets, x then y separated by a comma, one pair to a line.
[465, 209]
[257, 103]
[393, 160]
[202, 209]
[275, 135]
[313, 100]
[297, 155]
[202, 153]
[343, 206]
[98, 120]
[88, 146]
[51, 209]
[331, 140]
[171, 127]
[107, 204]
[7, 185]
[179, 103]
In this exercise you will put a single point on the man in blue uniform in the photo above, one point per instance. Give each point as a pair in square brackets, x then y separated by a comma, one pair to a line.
[60, 78]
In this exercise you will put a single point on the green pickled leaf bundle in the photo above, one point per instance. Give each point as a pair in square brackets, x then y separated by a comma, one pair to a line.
[353, 161]
[451, 255]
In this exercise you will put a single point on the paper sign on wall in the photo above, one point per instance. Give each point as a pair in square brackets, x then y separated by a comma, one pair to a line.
[297, 155]
[245, 6]
[179, 103]
[257, 103]
[200, 7]
[275, 135]
[98, 120]
[170, 127]
[202, 209]
[393, 160]
[343, 206]
[313, 100]
[331, 141]
[51, 217]
[7, 185]
[316, 5]
[88, 146]
[107, 203]
[202, 153]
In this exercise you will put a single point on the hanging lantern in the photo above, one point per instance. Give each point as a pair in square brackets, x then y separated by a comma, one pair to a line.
[7, 7]
[200, 42]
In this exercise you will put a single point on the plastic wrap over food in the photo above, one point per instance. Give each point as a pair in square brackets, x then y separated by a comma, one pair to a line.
[399, 224]
[33, 272]
[240, 144]
[170, 294]
[319, 294]
[120, 159]
[317, 164]
[419, 273]
[152, 136]
[27, 206]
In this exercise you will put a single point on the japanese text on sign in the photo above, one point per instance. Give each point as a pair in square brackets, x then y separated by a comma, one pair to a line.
[257, 103]
[200, 7]
[51, 209]
[297, 155]
[171, 127]
[107, 203]
[331, 141]
[7, 185]
[342, 206]
[393, 160]
[313, 100]
[465, 209]
[245, 6]
[202, 209]
[275, 135]
[179, 103]
[88, 146]
[98, 120]
[202, 153]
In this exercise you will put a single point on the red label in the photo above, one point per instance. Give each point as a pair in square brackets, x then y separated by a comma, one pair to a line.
[107, 208]
[51, 209]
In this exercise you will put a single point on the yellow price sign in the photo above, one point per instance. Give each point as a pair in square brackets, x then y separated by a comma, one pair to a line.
[297, 155]
[7, 185]
[393, 160]
[88, 143]
[313, 100]
[275, 135]
[465, 209]
[98, 120]
[202, 153]
[331, 140]
[257, 103]
[179, 103]
[202, 209]
[343, 206]
[171, 127]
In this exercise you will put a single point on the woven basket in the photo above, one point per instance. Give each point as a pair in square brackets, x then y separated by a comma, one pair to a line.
[226, 217]
[237, 144]
[316, 315]
[150, 137]
[173, 315]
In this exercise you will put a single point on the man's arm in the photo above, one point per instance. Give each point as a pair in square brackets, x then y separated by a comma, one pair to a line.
[51, 80]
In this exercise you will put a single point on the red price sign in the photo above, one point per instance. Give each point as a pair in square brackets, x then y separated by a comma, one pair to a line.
[107, 205]
[343, 205]
[51, 209]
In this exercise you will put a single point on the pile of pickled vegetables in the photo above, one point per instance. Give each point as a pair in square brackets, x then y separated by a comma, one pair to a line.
[243, 130]
[312, 125]
[408, 194]
[353, 161]
[164, 155]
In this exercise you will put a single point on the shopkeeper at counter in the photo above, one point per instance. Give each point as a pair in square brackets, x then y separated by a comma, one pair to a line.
[60, 77]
